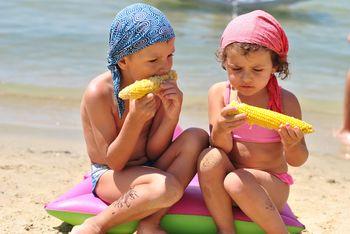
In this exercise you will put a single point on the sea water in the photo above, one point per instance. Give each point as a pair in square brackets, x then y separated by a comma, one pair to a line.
[50, 50]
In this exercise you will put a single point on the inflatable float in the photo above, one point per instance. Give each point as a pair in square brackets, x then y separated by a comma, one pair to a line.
[187, 216]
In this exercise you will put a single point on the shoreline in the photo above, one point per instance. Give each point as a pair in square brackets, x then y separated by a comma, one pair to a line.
[39, 164]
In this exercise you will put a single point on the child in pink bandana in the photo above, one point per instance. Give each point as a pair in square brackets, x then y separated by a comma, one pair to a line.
[247, 166]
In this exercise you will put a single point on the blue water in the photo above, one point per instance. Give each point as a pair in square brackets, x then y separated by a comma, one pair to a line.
[50, 50]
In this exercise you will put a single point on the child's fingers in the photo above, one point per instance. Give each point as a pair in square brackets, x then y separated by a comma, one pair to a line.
[168, 84]
[235, 124]
[292, 133]
[235, 118]
[283, 132]
[288, 130]
[172, 96]
[228, 111]
[150, 105]
[166, 92]
[169, 81]
[298, 132]
[146, 99]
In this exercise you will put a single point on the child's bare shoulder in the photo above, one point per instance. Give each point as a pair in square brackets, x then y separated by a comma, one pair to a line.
[218, 88]
[291, 104]
[99, 89]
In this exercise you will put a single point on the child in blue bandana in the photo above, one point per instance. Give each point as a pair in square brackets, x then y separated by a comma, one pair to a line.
[135, 165]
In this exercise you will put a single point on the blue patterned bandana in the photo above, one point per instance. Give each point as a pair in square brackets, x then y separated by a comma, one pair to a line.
[134, 28]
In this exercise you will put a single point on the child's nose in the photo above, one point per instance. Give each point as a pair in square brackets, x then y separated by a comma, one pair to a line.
[246, 76]
[164, 68]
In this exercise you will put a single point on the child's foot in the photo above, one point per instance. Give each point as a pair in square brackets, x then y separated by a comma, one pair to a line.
[149, 228]
[86, 228]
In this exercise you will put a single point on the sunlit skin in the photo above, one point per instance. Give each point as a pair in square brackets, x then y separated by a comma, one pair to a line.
[144, 133]
[239, 172]
[249, 74]
[344, 133]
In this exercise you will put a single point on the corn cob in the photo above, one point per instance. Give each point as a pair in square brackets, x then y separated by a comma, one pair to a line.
[269, 119]
[142, 87]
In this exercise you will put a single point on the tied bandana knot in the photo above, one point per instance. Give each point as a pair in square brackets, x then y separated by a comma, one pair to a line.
[259, 27]
[134, 28]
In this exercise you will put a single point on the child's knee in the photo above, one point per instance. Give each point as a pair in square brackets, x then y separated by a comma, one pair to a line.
[238, 182]
[167, 190]
[195, 139]
[210, 162]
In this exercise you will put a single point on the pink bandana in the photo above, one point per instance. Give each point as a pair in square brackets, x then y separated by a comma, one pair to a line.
[259, 27]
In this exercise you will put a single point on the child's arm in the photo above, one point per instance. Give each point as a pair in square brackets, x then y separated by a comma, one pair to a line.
[165, 120]
[221, 122]
[293, 141]
[116, 147]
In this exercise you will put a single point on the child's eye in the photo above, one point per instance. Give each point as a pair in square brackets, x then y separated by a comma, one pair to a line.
[153, 60]
[258, 70]
[236, 68]
[170, 55]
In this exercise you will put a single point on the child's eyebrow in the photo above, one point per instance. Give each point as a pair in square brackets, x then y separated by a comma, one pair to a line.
[255, 65]
[157, 55]
[233, 65]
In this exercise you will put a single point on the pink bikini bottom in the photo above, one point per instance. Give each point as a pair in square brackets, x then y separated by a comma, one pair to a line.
[284, 177]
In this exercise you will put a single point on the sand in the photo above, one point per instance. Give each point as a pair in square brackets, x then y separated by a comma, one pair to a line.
[38, 164]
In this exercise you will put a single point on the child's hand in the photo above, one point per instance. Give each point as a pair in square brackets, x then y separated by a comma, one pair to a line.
[171, 97]
[290, 136]
[228, 121]
[143, 109]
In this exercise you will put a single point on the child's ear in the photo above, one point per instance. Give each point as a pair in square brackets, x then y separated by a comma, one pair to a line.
[274, 69]
[223, 65]
[122, 63]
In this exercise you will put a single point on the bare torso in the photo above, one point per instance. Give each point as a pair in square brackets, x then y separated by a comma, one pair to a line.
[104, 84]
[263, 156]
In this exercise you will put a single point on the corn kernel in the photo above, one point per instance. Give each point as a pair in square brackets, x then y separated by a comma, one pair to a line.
[142, 87]
[269, 119]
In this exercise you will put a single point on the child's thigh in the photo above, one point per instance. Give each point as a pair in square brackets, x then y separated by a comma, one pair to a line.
[113, 184]
[277, 190]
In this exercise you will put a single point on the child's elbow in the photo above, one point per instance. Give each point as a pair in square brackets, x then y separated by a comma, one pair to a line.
[298, 161]
[115, 166]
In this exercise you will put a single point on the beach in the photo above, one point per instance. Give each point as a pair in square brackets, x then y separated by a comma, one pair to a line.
[39, 164]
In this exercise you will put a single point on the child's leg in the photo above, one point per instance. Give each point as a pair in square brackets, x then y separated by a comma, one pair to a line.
[179, 160]
[344, 132]
[213, 166]
[260, 195]
[135, 193]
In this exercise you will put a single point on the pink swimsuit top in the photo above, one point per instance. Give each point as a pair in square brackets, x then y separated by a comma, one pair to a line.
[254, 133]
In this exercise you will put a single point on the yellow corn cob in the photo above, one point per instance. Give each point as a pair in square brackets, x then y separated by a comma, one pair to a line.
[269, 119]
[142, 87]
